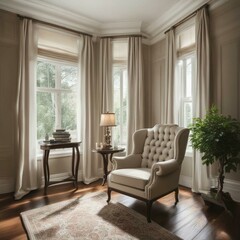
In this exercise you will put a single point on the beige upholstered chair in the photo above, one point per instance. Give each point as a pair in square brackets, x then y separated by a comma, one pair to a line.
[153, 168]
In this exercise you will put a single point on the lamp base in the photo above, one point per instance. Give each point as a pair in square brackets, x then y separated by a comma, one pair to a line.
[107, 146]
[107, 139]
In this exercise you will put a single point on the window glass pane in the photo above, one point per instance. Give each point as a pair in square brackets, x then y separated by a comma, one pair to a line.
[68, 77]
[69, 113]
[120, 105]
[46, 74]
[56, 98]
[45, 114]
[117, 104]
[187, 113]
[188, 92]
[124, 108]
[116, 91]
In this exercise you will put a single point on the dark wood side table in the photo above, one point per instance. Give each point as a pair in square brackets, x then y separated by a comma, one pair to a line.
[75, 162]
[106, 157]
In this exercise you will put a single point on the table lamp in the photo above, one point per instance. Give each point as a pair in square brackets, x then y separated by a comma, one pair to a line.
[107, 120]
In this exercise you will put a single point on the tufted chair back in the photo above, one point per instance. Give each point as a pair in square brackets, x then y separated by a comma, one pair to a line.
[159, 144]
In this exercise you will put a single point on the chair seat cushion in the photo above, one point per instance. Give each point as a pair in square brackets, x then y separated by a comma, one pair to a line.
[131, 177]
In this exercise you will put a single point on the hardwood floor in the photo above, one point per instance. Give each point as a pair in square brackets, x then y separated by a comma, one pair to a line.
[190, 219]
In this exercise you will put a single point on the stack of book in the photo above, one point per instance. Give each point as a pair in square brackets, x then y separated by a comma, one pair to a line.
[60, 135]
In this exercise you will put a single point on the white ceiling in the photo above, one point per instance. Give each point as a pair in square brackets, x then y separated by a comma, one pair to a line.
[108, 17]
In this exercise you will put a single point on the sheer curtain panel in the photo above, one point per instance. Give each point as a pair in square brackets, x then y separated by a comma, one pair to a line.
[26, 167]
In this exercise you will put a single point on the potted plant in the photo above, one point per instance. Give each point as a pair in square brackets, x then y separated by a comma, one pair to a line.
[217, 137]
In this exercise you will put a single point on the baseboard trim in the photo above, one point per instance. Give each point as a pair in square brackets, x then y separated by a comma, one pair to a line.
[6, 185]
[185, 181]
[60, 176]
[231, 186]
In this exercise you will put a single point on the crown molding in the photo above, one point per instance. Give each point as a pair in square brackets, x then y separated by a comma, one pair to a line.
[123, 27]
[154, 32]
[182, 9]
[49, 13]
[45, 12]
[185, 7]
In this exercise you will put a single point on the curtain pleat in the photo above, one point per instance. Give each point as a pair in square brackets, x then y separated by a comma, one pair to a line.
[201, 181]
[105, 75]
[89, 111]
[135, 89]
[27, 176]
[170, 116]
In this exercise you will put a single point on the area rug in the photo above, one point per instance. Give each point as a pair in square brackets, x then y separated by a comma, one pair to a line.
[90, 217]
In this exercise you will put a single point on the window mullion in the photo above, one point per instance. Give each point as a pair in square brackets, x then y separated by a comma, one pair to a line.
[121, 104]
[58, 97]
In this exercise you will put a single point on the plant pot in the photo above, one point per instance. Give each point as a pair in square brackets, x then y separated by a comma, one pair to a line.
[223, 200]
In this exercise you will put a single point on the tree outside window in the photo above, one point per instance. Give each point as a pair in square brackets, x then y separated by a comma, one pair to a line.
[56, 97]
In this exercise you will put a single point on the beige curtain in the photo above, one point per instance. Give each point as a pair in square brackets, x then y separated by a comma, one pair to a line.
[201, 179]
[105, 75]
[135, 88]
[89, 111]
[105, 80]
[170, 116]
[27, 176]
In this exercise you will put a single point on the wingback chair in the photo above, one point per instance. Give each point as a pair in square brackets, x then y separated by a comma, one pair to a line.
[152, 169]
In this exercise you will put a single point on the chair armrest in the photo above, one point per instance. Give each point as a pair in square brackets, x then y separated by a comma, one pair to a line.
[130, 161]
[166, 167]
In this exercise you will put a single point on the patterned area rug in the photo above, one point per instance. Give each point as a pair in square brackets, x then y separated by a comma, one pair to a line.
[90, 217]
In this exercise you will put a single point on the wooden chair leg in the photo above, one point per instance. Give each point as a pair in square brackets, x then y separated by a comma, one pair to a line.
[109, 195]
[176, 196]
[149, 207]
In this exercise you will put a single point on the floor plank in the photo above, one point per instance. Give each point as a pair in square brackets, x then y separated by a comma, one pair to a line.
[189, 219]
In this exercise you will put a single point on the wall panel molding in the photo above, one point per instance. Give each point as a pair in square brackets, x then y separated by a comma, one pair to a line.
[6, 185]
[231, 186]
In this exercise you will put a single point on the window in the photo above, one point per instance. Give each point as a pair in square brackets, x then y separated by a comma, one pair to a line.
[186, 58]
[186, 71]
[120, 104]
[57, 83]
[56, 97]
[120, 91]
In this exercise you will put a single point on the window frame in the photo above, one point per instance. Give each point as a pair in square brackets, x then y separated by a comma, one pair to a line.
[183, 83]
[57, 93]
[122, 66]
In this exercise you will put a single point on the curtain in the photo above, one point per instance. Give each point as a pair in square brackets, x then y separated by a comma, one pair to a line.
[201, 94]
[105, 75]
[27, 175]
[170, 116]
[89, 111]
[135, 89]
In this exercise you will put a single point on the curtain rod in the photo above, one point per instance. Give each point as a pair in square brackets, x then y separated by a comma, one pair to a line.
[186, 18]
[124, 36]
[55, 25]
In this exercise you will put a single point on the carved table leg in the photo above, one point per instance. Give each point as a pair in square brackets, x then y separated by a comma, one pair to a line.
[76, 168]
[105, 167]
[46, 169]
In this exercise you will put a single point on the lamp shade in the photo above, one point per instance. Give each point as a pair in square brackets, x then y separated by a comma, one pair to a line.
[107, 119]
